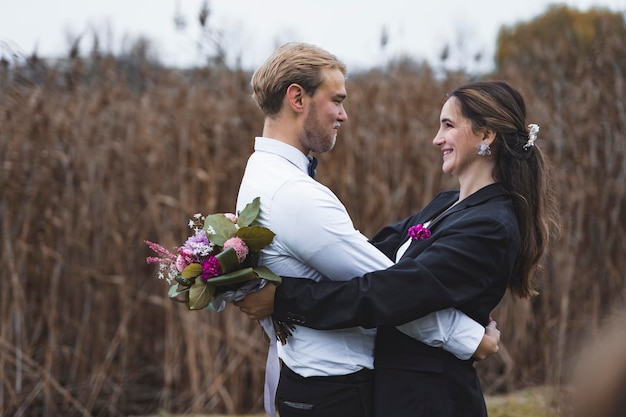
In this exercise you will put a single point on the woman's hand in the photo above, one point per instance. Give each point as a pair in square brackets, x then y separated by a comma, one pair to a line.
[258, 304]
[489, 345]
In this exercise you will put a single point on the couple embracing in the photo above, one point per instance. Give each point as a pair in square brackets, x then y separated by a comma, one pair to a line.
[392, 325]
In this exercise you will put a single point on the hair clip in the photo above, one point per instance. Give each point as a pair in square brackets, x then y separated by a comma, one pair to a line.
[532, 136]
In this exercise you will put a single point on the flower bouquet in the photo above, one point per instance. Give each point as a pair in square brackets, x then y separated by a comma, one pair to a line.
[218, 263]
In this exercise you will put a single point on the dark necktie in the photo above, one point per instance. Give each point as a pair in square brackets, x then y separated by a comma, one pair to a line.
[312, 166]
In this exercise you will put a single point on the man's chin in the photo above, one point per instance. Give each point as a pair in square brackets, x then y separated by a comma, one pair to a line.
[325, 148]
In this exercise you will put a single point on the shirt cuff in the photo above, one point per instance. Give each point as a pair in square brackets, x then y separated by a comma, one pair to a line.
[464, 341]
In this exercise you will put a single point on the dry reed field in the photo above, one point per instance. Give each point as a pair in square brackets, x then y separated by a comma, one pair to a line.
[100, 155]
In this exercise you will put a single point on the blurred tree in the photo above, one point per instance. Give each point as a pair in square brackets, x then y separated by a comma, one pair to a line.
[563, 43]
[180, 23]
[212, 38]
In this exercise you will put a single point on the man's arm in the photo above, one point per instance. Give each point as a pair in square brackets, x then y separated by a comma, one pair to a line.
[461, 336]
[489, 343]
[448, 328]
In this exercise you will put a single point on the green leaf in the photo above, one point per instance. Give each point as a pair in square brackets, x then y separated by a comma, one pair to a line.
[192, 271]
[265, 273]
[200, 295]
[249, 213]
[173, 293]
[184, 281]
[228, 260]
[219, 228]
[235, 277]
[256, 237]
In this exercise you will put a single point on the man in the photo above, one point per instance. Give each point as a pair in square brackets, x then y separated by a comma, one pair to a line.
[301, 91]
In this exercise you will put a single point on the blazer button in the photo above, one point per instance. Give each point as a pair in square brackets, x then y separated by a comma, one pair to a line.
[296, 318]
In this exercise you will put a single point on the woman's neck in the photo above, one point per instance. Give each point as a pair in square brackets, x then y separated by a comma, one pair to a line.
[469, 184]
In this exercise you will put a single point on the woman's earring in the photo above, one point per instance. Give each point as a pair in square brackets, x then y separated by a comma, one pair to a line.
[483, 148]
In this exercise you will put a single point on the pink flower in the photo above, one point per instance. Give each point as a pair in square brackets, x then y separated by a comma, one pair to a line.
[232, 217]
[164, 256]
[185, 258]
[211, 268]
[240, 247]
[165, 259]
[419, 232]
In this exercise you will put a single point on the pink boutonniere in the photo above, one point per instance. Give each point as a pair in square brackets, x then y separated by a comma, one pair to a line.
[419, 232]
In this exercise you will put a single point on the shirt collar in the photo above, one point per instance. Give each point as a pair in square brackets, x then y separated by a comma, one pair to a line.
[290, 153]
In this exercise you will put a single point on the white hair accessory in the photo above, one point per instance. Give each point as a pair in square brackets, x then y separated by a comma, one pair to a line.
[532, 136]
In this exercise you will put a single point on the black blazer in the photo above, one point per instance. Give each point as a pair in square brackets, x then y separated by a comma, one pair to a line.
[466, 264]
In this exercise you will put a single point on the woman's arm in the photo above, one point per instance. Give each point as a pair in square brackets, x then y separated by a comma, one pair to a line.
[449, 329]
[467, 268]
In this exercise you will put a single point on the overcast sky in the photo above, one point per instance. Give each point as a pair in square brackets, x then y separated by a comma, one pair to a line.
[251, 29]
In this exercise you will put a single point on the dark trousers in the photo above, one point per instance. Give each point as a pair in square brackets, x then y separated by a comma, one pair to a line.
[407, 393]
[325, 396]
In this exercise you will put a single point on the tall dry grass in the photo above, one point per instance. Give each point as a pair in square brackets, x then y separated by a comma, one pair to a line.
[99, 156]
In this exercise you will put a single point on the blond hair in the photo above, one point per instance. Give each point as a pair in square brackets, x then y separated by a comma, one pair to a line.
[292, 63]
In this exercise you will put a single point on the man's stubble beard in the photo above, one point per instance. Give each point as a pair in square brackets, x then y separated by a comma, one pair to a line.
[315, 137]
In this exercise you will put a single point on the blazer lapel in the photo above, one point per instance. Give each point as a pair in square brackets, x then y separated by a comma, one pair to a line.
[436, 207]
[479, 197]
[432, 210]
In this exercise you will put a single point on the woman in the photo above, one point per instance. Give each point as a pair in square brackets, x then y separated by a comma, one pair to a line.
[463, 250]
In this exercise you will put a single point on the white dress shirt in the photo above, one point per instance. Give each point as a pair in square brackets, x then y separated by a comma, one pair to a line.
[316, 239]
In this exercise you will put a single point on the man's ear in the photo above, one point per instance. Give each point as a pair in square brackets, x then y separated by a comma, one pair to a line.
[295, 97]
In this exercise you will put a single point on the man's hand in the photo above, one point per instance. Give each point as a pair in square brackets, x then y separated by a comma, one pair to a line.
[258, 304]
[489, 345]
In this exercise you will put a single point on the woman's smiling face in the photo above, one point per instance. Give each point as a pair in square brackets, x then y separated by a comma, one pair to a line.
[456, 139]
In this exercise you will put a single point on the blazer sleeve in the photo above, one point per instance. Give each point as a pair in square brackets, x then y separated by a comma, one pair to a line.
[473, 256]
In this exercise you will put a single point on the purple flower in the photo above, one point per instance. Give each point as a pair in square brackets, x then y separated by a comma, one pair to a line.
[211, 268]
[198, 245]
[419, 232]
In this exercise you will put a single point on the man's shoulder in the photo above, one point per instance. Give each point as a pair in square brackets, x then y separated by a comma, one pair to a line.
[272, 165]
[260, 157]
[286, 187]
